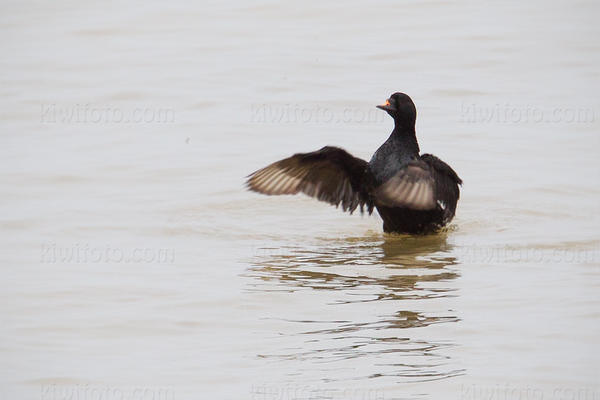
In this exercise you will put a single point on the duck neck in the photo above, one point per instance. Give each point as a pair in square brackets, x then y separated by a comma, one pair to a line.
[405, 136]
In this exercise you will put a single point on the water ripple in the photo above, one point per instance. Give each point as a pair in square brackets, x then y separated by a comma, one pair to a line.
[400, 275]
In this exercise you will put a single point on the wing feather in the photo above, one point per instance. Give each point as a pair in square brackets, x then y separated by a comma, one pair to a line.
[411, 187]
[447, 184]
[329, 174]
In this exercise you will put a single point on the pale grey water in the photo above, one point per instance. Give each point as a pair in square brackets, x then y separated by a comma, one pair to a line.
[134, 265]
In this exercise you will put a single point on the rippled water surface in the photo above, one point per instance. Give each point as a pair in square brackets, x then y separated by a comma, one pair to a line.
[136, 266]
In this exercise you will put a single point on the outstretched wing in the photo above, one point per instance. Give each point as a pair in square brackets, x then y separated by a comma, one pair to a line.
[412, 187]
[446, 184]
[330, 174]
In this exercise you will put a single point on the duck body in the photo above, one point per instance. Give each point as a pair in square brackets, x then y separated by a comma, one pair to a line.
[396, 154]
[412, 193]
[415, 221]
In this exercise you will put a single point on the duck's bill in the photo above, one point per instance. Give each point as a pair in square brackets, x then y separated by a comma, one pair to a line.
[385, 106]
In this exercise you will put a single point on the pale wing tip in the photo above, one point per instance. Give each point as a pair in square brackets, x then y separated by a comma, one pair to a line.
[273, 180]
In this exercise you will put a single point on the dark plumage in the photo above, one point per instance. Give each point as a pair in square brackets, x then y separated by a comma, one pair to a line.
[413, 193]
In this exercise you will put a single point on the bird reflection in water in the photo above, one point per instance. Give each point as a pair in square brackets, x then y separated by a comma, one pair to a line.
[382, 286]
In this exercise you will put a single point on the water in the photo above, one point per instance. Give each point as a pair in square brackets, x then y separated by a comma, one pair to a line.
[135, 265]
